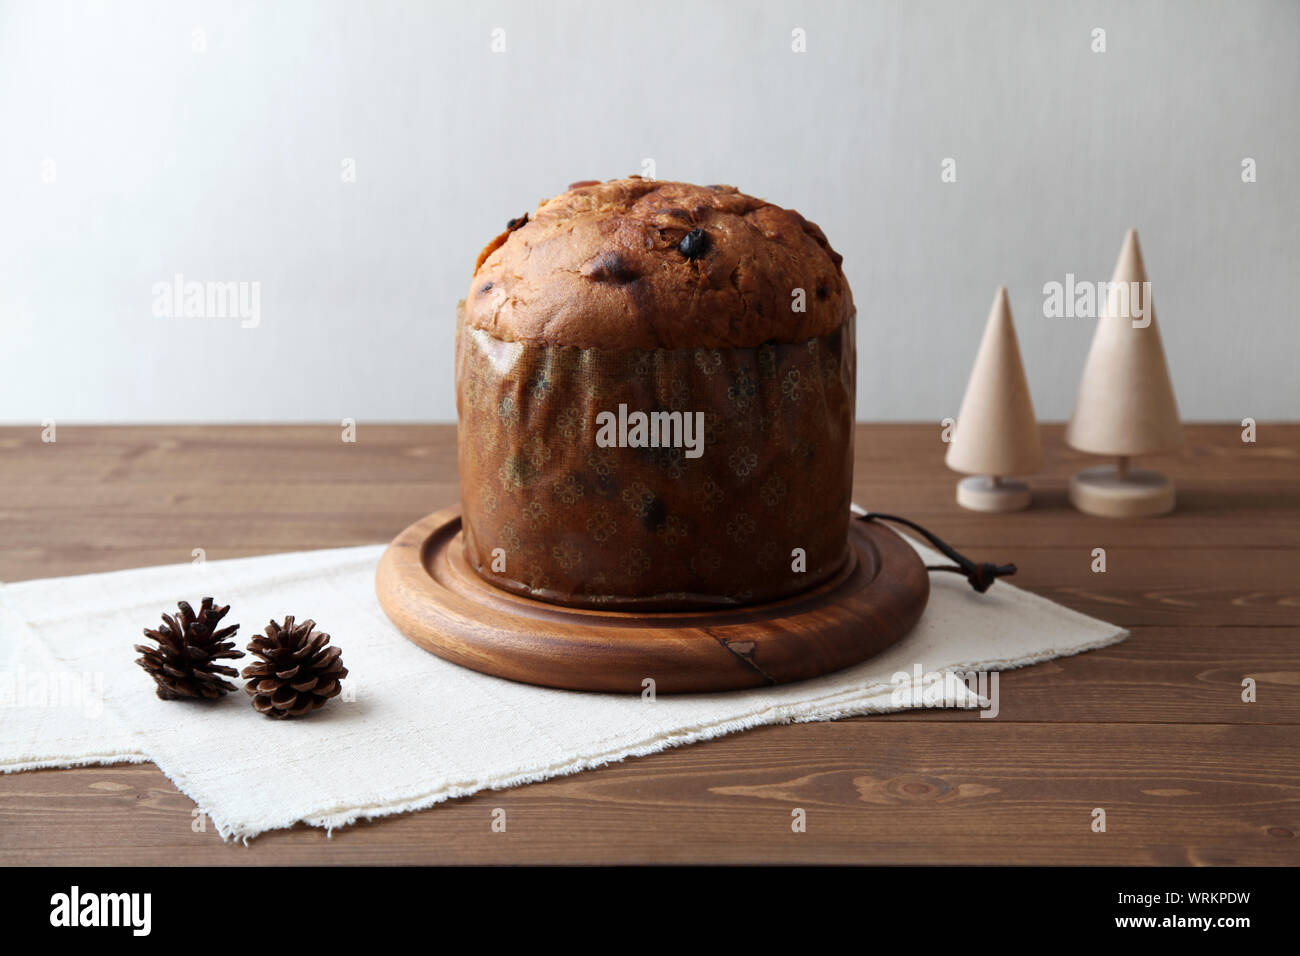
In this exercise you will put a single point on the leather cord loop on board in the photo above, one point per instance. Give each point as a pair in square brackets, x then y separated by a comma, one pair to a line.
[981, 576]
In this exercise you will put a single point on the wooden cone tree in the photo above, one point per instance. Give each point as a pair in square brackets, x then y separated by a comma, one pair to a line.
[996, 434]
[1126, 403]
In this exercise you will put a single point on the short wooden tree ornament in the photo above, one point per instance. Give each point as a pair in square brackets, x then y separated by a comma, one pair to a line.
[1126, 403]
[996, 435]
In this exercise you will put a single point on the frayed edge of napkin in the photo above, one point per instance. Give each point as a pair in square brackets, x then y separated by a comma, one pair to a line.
[65, 763]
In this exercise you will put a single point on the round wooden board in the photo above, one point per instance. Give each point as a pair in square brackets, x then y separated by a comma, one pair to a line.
[428, 589]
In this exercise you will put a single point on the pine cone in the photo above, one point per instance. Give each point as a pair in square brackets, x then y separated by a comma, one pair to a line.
[297, 673]
[183, 662]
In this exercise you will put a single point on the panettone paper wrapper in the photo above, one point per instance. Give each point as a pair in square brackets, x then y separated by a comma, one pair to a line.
[551, 510]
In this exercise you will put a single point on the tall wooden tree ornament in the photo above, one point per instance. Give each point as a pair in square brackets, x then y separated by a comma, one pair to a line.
[1126, 403]
[996, 434]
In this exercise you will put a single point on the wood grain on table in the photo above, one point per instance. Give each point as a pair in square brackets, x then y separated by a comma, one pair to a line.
[1154, 729]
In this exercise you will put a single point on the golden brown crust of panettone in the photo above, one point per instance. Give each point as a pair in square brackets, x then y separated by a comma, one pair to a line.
[601, 266]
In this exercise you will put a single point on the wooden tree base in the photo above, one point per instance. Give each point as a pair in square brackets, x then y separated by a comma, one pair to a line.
[435, 598]
[1137, 494]
[979, 493]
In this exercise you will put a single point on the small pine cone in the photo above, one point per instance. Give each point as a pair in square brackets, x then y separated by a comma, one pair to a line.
[297, 673]
[183, 663]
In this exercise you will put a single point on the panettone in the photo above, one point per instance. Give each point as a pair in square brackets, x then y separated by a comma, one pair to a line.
[655, 384]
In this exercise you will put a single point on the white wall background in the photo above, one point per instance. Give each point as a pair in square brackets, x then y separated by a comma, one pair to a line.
[225, 164]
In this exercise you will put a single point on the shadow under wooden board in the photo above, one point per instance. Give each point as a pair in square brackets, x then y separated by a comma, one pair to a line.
[428, 589]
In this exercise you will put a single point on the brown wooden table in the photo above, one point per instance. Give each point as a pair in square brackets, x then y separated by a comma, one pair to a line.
[1153, 730]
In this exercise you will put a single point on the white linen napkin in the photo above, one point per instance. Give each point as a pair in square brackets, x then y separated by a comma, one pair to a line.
[413, 730]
